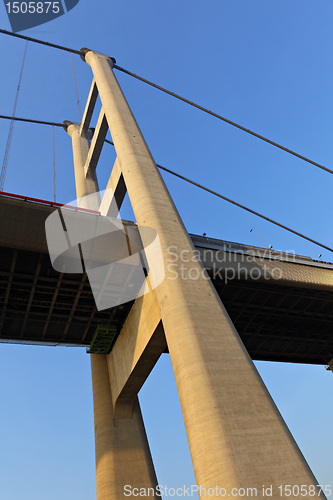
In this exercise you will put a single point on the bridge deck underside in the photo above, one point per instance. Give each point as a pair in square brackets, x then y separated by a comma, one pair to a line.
[39, 305]
[275, 322]
[287, 320]
[281, 323]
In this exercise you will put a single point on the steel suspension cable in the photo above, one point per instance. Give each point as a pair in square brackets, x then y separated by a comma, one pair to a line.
[11, 126]
[244, 208]
[41, 42]
[30, 120]
[186, 179]
[75, 86]
[194, 184]
[216, 115]
[187, 101]
[54, 167]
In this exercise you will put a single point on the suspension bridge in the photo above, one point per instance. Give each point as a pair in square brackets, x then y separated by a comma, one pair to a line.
[241, 303]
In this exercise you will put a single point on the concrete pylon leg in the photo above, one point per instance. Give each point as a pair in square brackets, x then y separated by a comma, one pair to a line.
[122, 452]
[236, 435]
[84, 185]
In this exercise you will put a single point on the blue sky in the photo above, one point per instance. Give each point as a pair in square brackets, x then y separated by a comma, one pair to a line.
[264, 64]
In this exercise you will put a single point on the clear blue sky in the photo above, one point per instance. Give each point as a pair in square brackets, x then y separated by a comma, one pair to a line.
[264, 64]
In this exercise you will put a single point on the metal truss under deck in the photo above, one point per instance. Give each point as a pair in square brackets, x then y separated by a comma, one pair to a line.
[40, 305]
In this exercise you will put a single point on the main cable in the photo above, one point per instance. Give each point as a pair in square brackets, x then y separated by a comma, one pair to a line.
[216, 115]
[186, 179]
[30, 120]
[244, 208]
[183, 99]
[35, 40]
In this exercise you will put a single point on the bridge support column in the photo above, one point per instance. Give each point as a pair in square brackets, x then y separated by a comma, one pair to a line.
[122, 451]
[121, 447]
[84, 185]
[236, 435]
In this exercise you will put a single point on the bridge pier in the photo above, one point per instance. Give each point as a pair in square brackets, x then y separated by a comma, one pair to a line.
[122, 451]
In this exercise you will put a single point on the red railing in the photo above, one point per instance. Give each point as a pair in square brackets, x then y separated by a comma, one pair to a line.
[45, 202]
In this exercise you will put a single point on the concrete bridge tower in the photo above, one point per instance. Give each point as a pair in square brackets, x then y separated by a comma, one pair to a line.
[236, 435]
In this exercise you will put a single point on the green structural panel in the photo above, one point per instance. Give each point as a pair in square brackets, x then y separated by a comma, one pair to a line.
[102, 340]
